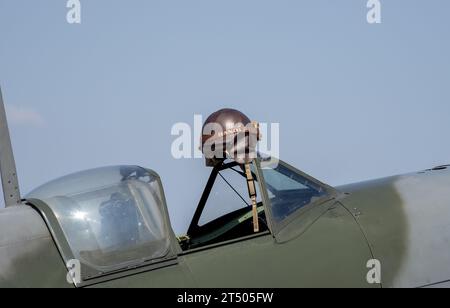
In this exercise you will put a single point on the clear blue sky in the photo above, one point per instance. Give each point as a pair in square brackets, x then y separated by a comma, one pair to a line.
[354, 101]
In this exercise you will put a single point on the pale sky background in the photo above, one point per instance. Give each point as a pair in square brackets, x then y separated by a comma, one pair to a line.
[354, 101]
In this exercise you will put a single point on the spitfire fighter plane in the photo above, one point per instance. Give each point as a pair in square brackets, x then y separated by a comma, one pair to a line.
[276, 227]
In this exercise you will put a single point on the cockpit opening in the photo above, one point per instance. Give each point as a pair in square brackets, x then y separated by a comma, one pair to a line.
[224, 212]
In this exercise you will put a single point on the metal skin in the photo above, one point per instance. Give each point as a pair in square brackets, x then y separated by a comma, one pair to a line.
[402, 221]
[10, 183]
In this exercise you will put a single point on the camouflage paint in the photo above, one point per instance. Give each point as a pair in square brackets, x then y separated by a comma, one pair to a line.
[406, 221]
[403, 218]
[379, 210]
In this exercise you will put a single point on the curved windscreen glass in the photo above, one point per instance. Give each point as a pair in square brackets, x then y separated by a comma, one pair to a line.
[111, 216]
[288, 190]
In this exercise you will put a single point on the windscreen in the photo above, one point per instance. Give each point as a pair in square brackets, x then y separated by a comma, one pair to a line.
[288, 190]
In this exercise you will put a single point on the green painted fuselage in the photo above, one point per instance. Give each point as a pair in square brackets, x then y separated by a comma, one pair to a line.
[402, 221]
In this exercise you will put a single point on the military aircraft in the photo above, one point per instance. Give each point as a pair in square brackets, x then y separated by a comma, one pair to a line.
[109, 227]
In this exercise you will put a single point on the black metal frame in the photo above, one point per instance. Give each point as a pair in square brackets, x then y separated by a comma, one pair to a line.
[193, 227]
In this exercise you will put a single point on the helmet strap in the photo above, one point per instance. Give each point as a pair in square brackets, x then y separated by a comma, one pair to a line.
[252, 193]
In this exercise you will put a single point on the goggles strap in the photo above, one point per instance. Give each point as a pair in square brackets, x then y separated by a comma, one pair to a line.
[252, 193]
